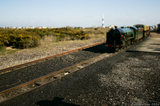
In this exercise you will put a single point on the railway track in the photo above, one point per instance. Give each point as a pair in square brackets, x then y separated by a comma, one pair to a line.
[12, 82]
[41, 68]
[16, 89]
[33, 84]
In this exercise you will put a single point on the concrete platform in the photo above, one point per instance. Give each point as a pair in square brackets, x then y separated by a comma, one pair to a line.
[152, 44]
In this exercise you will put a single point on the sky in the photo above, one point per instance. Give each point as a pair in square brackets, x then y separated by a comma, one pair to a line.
[78, 13]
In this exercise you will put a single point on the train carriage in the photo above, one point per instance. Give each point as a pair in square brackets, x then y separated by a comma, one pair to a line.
[146, 29]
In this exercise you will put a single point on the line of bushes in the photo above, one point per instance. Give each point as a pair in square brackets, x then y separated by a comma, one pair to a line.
[19, 40]
[26, 38]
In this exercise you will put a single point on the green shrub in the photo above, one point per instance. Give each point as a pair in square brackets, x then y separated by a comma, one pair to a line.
[25, 41]
[19, 40]
[70, 34]
[1, 45]
[1, 41]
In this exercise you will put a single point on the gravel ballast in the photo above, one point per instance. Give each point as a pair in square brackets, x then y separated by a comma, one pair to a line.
[129, 78]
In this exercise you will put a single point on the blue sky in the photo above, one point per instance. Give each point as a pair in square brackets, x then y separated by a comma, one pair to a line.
[84, 13]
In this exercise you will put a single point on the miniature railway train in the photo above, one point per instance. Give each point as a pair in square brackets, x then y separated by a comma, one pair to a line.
[121, 37]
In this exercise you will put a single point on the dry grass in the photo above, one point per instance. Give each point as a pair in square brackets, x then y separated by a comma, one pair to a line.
[7, 50]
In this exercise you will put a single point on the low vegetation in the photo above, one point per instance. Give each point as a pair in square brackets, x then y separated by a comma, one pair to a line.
[29, 37]
[26, 38]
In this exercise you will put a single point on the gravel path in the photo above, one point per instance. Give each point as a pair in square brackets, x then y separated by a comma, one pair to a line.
[22, 75]
[47, 48]
[125, 79]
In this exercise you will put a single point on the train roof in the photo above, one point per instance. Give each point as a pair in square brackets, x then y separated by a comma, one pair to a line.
[124, 30]
[133, 27]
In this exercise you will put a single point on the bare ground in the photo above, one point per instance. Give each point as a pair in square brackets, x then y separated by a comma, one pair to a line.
[155, 34]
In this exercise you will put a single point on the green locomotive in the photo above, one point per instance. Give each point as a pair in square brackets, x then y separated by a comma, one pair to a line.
[124, 36]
